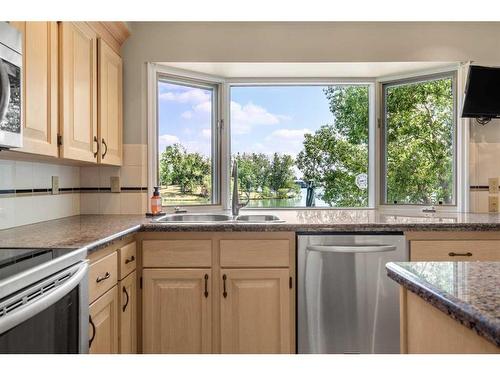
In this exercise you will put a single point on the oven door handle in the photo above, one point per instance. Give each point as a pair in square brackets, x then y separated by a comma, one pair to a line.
[4, 90]
[22, 314]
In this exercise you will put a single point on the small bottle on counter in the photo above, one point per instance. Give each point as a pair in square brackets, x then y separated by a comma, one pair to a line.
[156, 202]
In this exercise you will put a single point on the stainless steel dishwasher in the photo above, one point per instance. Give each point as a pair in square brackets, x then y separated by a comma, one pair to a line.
[346, 302]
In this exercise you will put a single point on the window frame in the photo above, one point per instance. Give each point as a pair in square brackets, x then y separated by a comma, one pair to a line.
[159, 72]
[360, 81]
[462, 135]
[422, 77]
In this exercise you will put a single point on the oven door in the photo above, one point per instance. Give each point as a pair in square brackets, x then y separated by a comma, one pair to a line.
[49, 317]
[10, 98]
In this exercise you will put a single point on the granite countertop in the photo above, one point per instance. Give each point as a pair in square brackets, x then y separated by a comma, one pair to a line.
[91, 231]
[469, 292]
[96, 231]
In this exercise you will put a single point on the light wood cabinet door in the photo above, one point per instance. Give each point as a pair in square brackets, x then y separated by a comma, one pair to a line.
[177, 315]
[78, 86]
[40, 87]
[255, 311]
[127, 338]
[103, 327]
[110, 105]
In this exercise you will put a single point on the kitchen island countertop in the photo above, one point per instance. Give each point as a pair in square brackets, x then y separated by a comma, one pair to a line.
[468, 292]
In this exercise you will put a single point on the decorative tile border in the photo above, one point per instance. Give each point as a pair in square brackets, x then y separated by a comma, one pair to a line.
[12, 193]
[133, 189]
[479, 187]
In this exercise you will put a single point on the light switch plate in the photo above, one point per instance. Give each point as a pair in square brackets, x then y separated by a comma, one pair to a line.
[493, 203]
[493, 185]
[55, 185]
[115, 184]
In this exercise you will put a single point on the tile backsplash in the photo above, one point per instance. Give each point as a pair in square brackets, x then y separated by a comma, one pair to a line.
[26, 196]
[96, 196]
[26, 192]
[484, 157]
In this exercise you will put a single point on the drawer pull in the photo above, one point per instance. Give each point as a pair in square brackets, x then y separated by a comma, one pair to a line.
[92, 337]
[224, 293]
[206, 286]
[129, 260]
[102, 278]
[453, 254]
[126, 302]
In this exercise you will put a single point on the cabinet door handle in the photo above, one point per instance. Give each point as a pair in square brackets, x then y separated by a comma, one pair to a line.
[128, 260]
[105, 148]
[206, 286]
[453, 254]
[102, 278]
[126, 302]
[224, 293]
[97, 145]
[93, 331]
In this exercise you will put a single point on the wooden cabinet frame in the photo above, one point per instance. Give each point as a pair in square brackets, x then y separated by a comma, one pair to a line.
[217, 271]
[40, 87]
[73, 90]
[78, 105]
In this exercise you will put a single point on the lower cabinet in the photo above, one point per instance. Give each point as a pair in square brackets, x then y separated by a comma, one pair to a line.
[103, 327]
[218, 293]
[113, 299]
[127, 337]
[255, 311]
[177, 314]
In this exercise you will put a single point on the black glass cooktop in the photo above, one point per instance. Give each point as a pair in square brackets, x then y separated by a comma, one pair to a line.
[14, 261]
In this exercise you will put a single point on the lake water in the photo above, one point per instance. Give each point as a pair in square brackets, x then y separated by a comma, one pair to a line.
[299, 201]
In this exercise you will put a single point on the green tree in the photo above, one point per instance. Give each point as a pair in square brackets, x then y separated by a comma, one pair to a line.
[281, 177]
[188, 170]
[419, 138]
[253, 171]
[337, 153]
[419, 144]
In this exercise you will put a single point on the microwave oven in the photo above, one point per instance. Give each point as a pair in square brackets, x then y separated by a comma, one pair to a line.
[11, 129]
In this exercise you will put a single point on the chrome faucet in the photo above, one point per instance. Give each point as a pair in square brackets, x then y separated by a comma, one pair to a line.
[235, 203]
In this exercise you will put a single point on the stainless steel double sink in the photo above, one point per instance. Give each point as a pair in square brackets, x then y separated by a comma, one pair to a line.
[217, 218]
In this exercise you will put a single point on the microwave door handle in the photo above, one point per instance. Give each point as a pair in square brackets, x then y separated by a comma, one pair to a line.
[351, 248]
[4, 90]
[24, 313]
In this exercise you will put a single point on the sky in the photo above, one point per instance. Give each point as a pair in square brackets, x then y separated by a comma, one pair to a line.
[263, 119]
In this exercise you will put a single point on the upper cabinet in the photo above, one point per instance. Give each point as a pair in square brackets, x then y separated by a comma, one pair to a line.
[40, 87]
[110, 105]
[78, 100]
[72, 90]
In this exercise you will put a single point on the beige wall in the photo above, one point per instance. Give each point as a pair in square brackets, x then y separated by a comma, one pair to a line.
[295, 42]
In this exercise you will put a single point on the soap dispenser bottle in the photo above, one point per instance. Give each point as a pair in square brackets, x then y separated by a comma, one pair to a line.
[156, 202]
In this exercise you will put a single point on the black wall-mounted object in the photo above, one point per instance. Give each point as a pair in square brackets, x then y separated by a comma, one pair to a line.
[482, 94]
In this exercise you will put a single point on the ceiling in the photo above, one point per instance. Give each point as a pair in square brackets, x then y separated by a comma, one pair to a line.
[308, 70]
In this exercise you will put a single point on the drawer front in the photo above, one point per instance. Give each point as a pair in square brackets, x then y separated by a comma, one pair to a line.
[455, 251]
[255, 253]
[176, 253]
[103, 275]
[128, 259]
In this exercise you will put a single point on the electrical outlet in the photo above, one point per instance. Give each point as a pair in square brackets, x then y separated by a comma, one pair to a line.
[55, 185]
[493, 203]
[493, 185]
[115, 184]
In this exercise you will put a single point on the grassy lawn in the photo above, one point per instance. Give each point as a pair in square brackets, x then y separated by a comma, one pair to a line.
[172, 195]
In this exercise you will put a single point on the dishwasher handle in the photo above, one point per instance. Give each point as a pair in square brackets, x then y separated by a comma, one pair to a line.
[351, 248]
